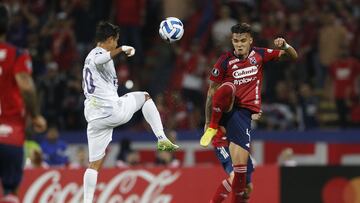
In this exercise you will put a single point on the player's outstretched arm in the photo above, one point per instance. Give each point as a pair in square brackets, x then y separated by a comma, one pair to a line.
[286, 49]
[101, 58]
[128, 50]
[27, 88]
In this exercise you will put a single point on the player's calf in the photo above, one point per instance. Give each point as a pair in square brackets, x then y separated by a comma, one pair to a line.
[222, 101]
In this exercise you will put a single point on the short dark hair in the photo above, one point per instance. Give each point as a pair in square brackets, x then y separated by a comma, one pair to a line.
[104, 30]
[241, 28]
[4, 19]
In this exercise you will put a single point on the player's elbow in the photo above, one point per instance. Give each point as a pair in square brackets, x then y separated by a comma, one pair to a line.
[294, 56]
[25, 82]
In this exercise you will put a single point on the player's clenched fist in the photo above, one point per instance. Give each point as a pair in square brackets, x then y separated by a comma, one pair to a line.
[280, 43]
[129, 50]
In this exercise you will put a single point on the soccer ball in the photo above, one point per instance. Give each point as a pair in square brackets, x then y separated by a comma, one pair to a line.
[171, 29]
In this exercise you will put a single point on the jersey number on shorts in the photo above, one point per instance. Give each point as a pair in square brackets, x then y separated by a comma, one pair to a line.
[89, 81]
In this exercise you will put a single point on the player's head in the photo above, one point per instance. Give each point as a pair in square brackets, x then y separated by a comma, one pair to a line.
[241, 38]
[107, 34]
[4, 20]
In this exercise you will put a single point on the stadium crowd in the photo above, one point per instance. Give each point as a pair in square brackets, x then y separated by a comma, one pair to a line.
[320, 90]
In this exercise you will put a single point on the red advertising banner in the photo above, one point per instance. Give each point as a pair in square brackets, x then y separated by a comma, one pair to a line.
[141, 185]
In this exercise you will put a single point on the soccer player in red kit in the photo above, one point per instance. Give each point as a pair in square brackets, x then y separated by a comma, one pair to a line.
[17, 99]
[236, 81]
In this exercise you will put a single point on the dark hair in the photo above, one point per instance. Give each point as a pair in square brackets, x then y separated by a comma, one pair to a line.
[104, 30]
[241, 28]
[4, 19]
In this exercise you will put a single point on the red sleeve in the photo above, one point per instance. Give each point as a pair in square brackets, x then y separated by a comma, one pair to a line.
[218, 71]
[23, 63]
[268, 54]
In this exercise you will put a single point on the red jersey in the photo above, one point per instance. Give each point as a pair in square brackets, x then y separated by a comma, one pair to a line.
[246, 75]
[344, 73]
[12, 110]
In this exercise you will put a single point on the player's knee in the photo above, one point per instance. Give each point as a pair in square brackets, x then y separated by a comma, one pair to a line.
[96, 165]
[147, 96]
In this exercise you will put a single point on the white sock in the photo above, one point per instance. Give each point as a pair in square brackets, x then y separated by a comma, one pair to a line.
[152, 116]
[90, 179]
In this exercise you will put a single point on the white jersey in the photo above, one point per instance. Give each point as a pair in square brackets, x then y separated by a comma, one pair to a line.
[99, 84]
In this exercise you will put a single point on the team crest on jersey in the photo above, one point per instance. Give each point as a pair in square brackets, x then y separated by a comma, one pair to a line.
[252, 60]
[215, 72]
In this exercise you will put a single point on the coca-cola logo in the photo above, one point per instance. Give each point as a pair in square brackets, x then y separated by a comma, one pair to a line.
[122, 188]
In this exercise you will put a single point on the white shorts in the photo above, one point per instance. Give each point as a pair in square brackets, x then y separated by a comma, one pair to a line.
[99, 131]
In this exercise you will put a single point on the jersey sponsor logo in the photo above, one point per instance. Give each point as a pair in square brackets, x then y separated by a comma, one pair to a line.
[233, 61]
[252, 60]
[244, 80]
[269, 50]
[252, 70]
[215, 72]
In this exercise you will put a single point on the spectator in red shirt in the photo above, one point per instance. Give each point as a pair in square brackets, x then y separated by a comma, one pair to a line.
[344, 72]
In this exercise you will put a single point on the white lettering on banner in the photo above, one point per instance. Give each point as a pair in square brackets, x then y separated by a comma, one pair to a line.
[112, 192]
[252, 70]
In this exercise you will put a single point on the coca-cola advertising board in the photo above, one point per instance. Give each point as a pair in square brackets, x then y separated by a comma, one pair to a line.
[140, 185]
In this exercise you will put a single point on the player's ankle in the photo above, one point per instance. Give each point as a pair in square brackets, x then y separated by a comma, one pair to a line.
[213, 125]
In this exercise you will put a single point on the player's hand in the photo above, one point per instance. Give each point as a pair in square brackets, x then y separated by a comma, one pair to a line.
[129, 50]
[280, 43]
[39, 124]
[256, 116]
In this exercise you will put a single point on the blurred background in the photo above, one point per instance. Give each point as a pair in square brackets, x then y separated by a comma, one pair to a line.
[311, 107]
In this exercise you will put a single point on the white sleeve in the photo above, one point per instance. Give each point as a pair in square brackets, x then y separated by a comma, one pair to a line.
[101, 58]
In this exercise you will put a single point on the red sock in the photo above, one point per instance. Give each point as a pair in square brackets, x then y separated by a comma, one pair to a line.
[221, 102]
[239, 183]
[222, 192]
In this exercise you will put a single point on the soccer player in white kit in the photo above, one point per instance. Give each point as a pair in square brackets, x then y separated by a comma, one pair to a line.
[104, 109]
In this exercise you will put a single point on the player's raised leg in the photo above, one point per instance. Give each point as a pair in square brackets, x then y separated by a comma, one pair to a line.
[152, 116]
[222, 101]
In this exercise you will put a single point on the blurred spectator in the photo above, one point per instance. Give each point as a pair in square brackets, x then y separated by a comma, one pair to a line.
[130, 16]
[280, 113]
[84, 25]
[51, 91]
[81, 158]
[332, 36]
[35, 160]
[127, 156]
[73, 100]
[286, 158]
[33, 154]
[344, 72]
[308, 104]
[221, 28]
[54, 149]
